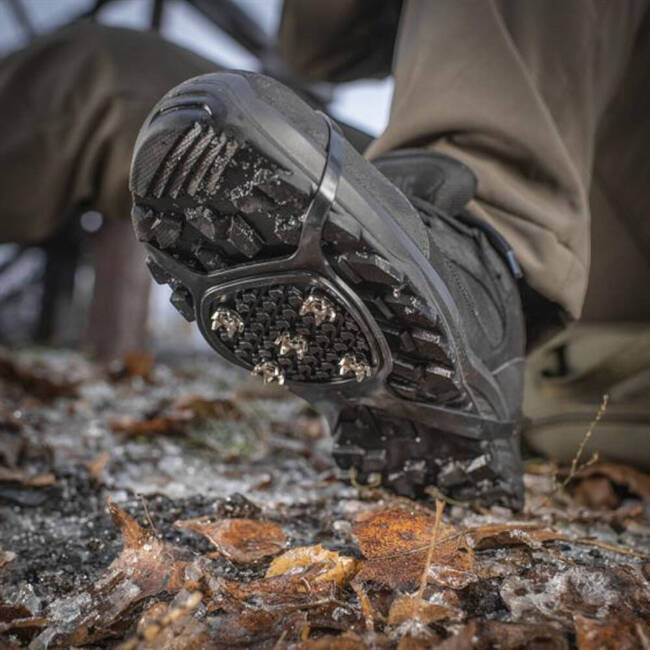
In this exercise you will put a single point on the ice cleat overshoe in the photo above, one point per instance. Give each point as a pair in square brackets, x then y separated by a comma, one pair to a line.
[303, 263]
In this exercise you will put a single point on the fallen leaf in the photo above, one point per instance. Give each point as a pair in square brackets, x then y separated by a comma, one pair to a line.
[612, 634]
[38, 378]
[595, 493]
[634, 480]
[178, 417]
[202, 407]
[6, 557]
[335, 567]
[171, 626]
[134, 363]
[97, 465]
[548, 593]
[146, 567]
[395, 542]
[25, 478]
[501, 535]
[347, 641]
[240, 540]
[488, 635]
[411, 607]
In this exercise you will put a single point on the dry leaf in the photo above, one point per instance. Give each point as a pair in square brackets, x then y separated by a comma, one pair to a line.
[25, 478]
[488, 635]
[550, 593]
[500, 535]
[411, 607]
[395, 542]
[634, 480]
[97, 465]
[612, 634]
[135, 364]
[171, 626]
[347, 641]
[184, 412]
[38, 378]
[240, 540]
[6, 557]
[146, 567]
[595, 493]
[334, 567]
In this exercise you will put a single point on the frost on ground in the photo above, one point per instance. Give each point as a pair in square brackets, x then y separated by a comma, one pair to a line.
[178, 506]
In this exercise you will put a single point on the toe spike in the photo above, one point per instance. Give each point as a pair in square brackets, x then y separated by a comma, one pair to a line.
[320, 308]
[348, 364]
[287, 344]
[229, 320]
[269, 371]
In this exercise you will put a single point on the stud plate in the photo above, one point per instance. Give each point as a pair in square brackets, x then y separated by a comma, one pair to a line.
[307, 343]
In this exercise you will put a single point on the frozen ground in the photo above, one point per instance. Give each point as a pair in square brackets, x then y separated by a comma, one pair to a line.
[189, 439]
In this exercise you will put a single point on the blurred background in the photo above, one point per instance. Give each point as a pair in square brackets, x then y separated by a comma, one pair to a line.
[46, 287]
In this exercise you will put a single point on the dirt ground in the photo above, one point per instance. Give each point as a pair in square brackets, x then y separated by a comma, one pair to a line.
[180, 505]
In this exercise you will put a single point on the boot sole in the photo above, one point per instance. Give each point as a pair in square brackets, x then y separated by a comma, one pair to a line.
[295, 271]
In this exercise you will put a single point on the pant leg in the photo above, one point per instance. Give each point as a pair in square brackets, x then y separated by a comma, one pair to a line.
[619, 278]
[516, 90]
[71, 105]
[70, 108]
[339, 40]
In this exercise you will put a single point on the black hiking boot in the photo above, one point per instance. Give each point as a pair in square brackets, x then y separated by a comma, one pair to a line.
[303, 263]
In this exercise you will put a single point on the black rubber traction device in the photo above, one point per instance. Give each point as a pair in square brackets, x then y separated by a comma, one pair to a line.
[280, 289]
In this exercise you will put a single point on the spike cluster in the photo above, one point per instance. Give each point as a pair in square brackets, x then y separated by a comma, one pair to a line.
[269, 371]
[287, 344]
[229, 320]
[349, 364]
[320, 308]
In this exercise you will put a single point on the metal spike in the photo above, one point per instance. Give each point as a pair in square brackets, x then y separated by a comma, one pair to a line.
[320, 308]
[348, 363]
[288, 343]
[230, 320]
[269, 371]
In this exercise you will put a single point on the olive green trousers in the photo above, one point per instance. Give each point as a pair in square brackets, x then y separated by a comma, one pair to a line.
[548, 102]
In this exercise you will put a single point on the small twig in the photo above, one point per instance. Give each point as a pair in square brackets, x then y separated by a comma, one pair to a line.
[366, 606]
[623, 550]
[575, 467]
[440, 506]
[436, 494]
[574, 463]
[147, 514]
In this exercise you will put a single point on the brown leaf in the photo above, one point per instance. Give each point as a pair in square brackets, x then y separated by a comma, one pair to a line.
[240, 540]
[596, 493]
[613, 634]
[411, 607]
[201, 407]
[334, 567]
[488, 635]
[171, 626]
[130, 426]
[6, 557]
[25, 478]
[347, 641]
[500, 535]
[97, 465]
[550, 593]
[634, 480]
[395, 542]
[38, 378]
[180, 415]
[134, 363]
[146, 567]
